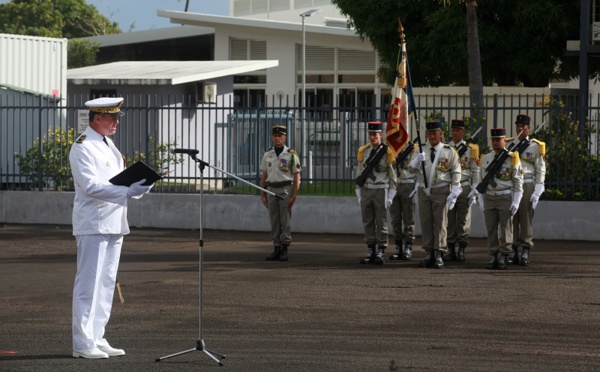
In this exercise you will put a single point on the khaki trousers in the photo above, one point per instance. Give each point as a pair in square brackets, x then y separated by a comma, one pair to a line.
[498, 223]
[459, 219]
[374, 216]
[523, 220]
[402, 212]
[433, 215]
[280, 215]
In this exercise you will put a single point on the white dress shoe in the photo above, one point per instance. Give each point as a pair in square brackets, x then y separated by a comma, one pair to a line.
[93, 353]
[111, 351]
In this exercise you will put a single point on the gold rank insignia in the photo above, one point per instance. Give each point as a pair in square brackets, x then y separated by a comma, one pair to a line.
[81, 138]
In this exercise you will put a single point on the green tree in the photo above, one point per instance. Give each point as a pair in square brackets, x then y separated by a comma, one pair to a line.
[521, 43]
[82, 53]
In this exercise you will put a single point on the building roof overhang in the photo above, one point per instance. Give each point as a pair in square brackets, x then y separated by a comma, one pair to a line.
[162, 72]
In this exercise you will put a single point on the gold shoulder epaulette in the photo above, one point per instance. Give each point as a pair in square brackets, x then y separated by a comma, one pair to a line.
[474, 150]
[390, 155]
[292, 151]
[361, 152]
[541, 146]
[510, 139]
[515, 158]
[81, 138]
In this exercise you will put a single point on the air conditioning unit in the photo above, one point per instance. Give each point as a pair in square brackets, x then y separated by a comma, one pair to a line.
[207, 92]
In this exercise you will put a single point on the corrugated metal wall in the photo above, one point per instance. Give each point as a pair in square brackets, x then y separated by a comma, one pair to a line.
[36, 64]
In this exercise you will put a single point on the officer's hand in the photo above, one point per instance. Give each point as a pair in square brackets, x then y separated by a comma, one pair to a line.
[417, 160]
[137, 189]
[473, 195]
[454, 194]
[291, 202]
[357, 191]
[390, 198]
[263, 197]
[480, 201]
[516, 200]
[537, 192]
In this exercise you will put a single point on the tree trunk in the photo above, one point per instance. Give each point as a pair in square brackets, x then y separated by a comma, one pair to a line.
[474, 64]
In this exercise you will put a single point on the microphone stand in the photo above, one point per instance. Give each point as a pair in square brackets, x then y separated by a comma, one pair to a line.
[200, 345]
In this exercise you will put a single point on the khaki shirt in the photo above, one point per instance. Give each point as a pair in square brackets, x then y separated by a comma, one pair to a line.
[509, 175]
[469, 163]
[447, 167]
[280, 168]
[385, 176]
[532, 161]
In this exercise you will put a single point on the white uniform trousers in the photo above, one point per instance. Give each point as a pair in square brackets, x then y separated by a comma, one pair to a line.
[97, 266]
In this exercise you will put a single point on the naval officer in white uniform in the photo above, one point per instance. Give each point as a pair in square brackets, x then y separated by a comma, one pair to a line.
[99, 224]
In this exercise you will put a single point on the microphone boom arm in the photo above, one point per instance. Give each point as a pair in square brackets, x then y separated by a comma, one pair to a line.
[202, 164]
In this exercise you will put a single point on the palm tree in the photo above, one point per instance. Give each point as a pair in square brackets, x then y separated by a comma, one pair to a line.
[474, 60]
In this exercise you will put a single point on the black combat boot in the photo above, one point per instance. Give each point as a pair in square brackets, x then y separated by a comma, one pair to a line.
[525, 257]
[275, 255]
[398, 255]
[451, 255]
[461, 252]
[371, 257]
[407, 254]
[428, 261]
[502, 262]
[493, 264]
[439, 262]
[284, 253]
[513, 257]
[379, 257]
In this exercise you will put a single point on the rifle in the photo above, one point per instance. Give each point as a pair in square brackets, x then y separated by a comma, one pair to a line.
[523, 145]
[493, 167]
[371, 162]
[406, 151]
[462, 148]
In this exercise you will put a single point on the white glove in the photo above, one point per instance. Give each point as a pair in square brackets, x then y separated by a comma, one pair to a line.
[137, 190]
[516, 200]
[390, 198]
[454, 194]
[417, 160]
[537, 192]
[473, 195]
[357, 190]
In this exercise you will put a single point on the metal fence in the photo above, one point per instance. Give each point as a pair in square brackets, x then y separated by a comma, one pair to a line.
[36, 134]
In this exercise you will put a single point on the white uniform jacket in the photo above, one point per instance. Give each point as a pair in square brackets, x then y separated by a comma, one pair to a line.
[99, 207]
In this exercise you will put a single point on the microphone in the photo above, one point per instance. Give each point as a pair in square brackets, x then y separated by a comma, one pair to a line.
[185, 151]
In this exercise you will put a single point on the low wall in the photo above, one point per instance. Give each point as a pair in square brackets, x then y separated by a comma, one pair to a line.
[553, 220]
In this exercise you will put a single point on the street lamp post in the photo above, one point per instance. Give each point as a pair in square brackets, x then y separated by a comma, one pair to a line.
[305, 14]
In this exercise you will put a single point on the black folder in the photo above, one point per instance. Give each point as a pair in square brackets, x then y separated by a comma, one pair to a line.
[134, 173]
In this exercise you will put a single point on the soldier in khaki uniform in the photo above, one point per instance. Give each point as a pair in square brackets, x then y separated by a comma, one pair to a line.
[442, 171]
[459, 218]
[500, 200]
[376, 196]
[402, 210]
[280, 167]
[534, 175]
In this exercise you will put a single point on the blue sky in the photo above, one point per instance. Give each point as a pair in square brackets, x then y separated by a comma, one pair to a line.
[142, 13]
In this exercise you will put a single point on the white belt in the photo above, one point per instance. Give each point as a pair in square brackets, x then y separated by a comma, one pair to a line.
[407, 181]
[376, 186]
[440, 185]
[466, 183]
[528, 180]
[501, 192]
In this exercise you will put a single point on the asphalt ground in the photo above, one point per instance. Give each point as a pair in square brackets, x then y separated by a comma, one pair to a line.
[321, 311]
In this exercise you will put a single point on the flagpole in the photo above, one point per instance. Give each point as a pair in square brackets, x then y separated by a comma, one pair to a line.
[411, 100]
